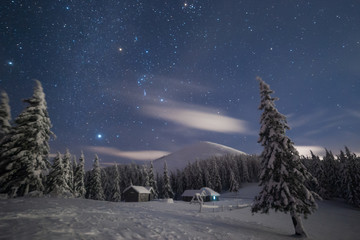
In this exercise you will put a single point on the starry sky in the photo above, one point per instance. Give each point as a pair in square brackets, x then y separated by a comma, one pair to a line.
[135, 79]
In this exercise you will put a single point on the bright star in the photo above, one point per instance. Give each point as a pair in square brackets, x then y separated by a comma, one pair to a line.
[99, 136]
[120, 49]
[10, 63]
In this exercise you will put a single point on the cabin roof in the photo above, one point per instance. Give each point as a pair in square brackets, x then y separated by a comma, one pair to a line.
[190, 193]
[139, 189]
[207, 191]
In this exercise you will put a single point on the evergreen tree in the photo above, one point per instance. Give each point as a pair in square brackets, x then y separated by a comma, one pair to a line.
[167, 191]
[197, 173]
[216, 177]
[234, 185]
[5, 115]
[73, 170]
[96, 191]
[331, 174]
[24, 151]
[179, 187]
[146, 176]
[318, 173]
[283, 176]
[56, 184]
[116, 193]
[245, 170]
[351, 178]
[68, 170]
[79, 176]
[152, 180]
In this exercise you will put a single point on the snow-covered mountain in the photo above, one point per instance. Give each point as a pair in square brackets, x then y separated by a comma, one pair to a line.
[191, 153]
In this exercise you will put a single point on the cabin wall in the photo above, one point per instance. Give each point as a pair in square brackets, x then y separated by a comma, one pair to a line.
[143, 197]
[187, 199]
[131, 196]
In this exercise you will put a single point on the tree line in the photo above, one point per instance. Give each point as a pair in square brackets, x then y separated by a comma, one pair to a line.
[25, 168]
[337, 176]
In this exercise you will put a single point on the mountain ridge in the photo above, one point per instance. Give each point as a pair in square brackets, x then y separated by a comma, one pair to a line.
[198, 151]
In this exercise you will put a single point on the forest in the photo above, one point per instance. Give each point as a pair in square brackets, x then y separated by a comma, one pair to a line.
[25, 168]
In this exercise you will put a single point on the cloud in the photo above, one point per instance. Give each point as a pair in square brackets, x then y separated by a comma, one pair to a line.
[296, 120]
[197, 117]
[305, 150]
[135, 155]
[354, 113]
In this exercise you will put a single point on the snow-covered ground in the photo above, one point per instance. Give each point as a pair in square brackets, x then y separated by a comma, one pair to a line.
[51, 218]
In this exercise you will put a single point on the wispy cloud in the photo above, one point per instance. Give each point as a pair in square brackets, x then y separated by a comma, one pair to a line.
[298, 121]
[354, 113]
[197, 117]
[134, 155]
[305, 150]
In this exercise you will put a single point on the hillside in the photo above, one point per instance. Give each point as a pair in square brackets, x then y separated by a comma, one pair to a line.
[191, 153]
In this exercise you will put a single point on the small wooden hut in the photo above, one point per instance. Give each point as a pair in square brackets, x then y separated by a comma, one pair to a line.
[207, 194]
[137, 194]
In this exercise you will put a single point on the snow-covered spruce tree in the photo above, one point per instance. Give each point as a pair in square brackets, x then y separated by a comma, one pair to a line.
[318, 173]
[198, 175]
[79, 176]
[5, 115]
[234, 185]
[24, 151]
[206, 178]
[351, 178]
[56, 184]
[116, 193]
[331, 174]
[167, 191]
[68, 169]
[152, 180]
[283, 176]
[146, 176]
[216, 177]
[96, 191]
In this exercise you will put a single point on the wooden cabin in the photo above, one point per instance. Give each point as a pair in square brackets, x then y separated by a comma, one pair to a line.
[137, 194]
[208, 195]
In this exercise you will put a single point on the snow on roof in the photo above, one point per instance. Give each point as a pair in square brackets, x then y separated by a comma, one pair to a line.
[190, 193]
[139, 189]
[149, 188]
[207, 191]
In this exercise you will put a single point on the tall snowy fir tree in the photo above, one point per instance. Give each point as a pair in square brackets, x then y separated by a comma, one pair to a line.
[68, 170]
[5, 115]
[234, 184]
[79, 176]
[152, 180]
[25, 149]
[56, 184]
[146, 176]
[283, 176]
[350, 183]
[331, 174]
[96, 191]
[167, 191]
[116, 193]
[216, 177]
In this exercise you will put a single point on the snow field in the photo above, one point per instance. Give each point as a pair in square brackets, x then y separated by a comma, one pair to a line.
[55, 218]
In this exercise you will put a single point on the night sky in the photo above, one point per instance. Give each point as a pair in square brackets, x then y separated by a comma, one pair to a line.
[135, 79]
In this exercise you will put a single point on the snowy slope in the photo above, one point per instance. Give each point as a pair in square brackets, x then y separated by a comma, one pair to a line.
[197, 151]
[51, 218]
